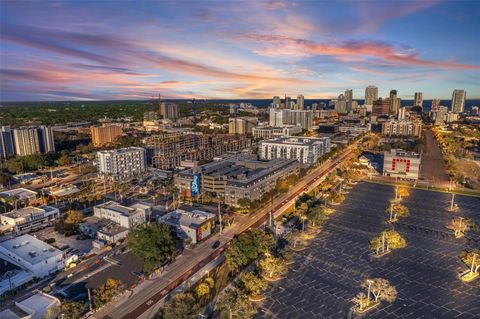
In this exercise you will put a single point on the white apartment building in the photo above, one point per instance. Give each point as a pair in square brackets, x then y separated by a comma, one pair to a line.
[29, 219]
[268, 132]
[124, 216]
[306, 150]
[122, 164]
[282, 117]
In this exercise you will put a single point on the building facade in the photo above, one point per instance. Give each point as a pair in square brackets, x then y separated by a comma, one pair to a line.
[458, 101]
[105, 134]
[402, 128]
[306, 150]
[28, 219]
[241, 125]
[193, 225]
[32, 140]
[7, 148]
[371, 94]
[418, 100]
[394, 102]
[267, 132]
[402, 164]
[122, 164]
[169, 111]
[282, 117]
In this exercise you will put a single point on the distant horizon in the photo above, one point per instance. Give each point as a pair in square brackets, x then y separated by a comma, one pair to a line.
[245, 49]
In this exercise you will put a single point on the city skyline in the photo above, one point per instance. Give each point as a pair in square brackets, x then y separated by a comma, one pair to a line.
[216, 50]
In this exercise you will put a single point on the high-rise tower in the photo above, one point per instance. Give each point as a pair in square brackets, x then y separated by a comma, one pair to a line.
[371, 94]
[458, 101]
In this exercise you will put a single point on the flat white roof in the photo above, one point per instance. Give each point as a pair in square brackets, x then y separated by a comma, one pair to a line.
[19, 193]
[30, 248]
[39, 303]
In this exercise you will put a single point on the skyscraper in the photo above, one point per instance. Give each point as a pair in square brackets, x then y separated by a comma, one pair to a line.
[349, 99]
[7, 147]
[288, 103]
[31, 140]
[458, 101]
[394, 102]
[418, 99]
[301, 102]
[276, 102]
[435, 105]
[169, 111]
[341, 104]
[47, 143]
[371, 94]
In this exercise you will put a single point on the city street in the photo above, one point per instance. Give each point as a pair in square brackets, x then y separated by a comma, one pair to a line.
[432, 169]
[327, 275]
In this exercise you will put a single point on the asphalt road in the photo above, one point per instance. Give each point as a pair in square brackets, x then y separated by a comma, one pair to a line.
[432, 168]
[154, 290]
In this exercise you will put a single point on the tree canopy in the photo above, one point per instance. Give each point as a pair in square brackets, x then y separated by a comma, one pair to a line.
[154, 243]
[233, 304]
[247, 247]
[251, 284]
[467, 256]
[393, 240]
[381, 289]
[272, 267]
[105, 293]
[181, 306]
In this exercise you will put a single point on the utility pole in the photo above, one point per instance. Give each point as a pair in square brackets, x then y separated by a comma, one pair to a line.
[89, 300]
[452, 201]
[473, 262]
[383, 242]
[220, 218]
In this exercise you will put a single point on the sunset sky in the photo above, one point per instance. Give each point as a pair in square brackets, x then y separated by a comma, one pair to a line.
[76, 50]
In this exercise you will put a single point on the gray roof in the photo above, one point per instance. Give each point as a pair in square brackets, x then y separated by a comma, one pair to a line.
[30, 248]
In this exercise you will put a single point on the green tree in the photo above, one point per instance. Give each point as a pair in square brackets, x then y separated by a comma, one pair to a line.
[74, 217]
[202, 290]
[397, 210]
[154, 244]
[251, 284]
[232, 304]
[272, 267]
[106, 292]
[64, 160]
[247, 247]
[316, 216]
[72, 309]
[182, 306]
[471, 258]
[381, 289]
[387, 240]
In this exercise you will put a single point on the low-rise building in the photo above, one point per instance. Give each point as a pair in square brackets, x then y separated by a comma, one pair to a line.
[194, 225]
[268, 132]
[235, 177]
[38, 306]
[306, 150]
[124, 216]
[19, 195]
[122, 164]
[402, 164]
[402, 128]
[30, 218]
[354, 129]
[31, 258]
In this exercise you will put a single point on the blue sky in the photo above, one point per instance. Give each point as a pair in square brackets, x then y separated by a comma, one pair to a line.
[77, 50]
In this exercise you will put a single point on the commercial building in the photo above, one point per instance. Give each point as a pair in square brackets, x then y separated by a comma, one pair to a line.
[193, 226]
[402, 128]
[17, 196]
[7, 148]
[394, 102]
[169, 111]
[354, 128]
[25, 258]
[381, 106]
[127, 217]
[267, 132]
[32, 140]
[241, 125]
[306, 150]
[371, 95]
[30, 218]
[435, 105]
[36, 306]
[235, 177]
[402, 164]
[105, 134]
[458, 101]
[122, 164]
[418, 101]
[276, 101]
[341, 104]
[282, 117]
[167, 151]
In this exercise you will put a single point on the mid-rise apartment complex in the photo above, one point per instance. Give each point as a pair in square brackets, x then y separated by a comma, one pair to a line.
[167, 151]
[105, 134]
[402, 164]
[236, 177]
[306, 150]
[7, 148]
[169, 111]
[122, 164]
[402, 128]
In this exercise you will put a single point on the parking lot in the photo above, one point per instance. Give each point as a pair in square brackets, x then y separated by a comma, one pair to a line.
[327, 275]
[84, 246]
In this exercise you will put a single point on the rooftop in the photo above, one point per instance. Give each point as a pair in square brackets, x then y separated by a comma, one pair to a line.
[116, 207]
[296, 140]
[402, 153]
[122, 150]
[27, 211]
[30, 248]
[18, 193]
[191, 219]
[112, 229]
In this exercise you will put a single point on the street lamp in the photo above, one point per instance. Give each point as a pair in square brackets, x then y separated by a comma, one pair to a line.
[303, 222]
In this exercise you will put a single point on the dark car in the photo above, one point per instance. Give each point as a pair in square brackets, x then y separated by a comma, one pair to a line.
[216, 244]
